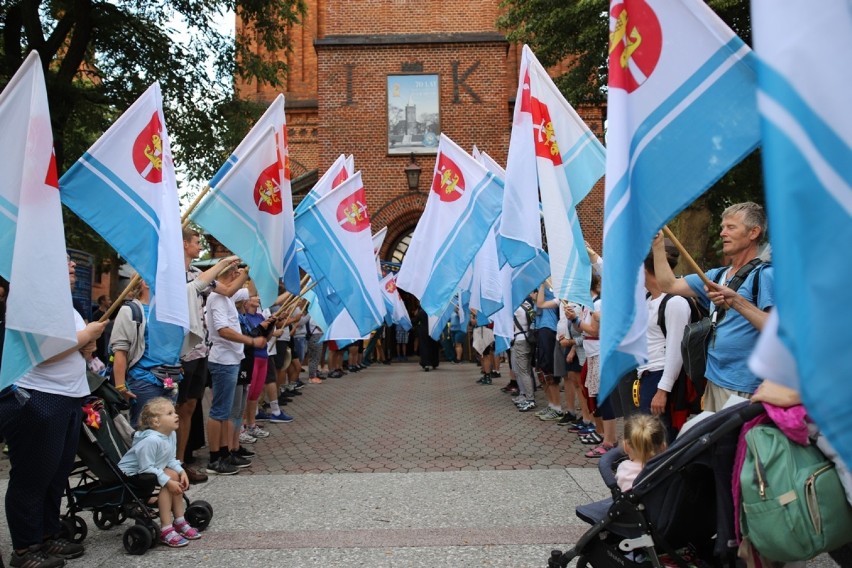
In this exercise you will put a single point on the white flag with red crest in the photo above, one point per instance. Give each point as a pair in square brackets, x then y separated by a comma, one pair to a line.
[124, 187]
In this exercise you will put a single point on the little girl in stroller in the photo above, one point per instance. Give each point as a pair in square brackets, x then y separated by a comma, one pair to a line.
[679, 510]
[644, 438]
[153, 451]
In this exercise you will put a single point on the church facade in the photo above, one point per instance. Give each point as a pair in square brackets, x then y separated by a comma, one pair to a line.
[381, 79]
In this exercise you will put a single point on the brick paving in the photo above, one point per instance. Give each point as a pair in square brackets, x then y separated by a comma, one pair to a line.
[400, 419]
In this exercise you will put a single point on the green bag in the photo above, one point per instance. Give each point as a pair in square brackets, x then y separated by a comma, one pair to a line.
[793, 505]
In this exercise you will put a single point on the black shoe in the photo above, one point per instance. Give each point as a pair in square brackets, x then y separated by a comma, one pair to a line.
[238, 461]
[63, 548]
[35, 557]
[568, 419]
[495, 374]
[244, 453]
[221, 467]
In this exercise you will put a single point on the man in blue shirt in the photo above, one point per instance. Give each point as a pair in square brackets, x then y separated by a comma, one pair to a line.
[743, 227]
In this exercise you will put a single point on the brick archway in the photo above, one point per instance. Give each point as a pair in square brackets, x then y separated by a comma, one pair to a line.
[400, 215]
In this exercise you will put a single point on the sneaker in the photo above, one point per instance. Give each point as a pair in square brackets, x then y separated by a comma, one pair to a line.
[261, 417]
[63, 548]
[257, 432]
[543, 411]
[579, 426]
[238, 461]
[527, 406]
[299, 385]
[280, 418]
[244, 453]
[170, 537]
[335, 374]
[568, 419]
[245, 438]
[35, 557]
[520, 399]
[187, 531]
[551, 415]
[221, 467]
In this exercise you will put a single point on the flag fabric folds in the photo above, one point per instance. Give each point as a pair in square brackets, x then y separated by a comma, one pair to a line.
[463, 204]
[124, 187]
[807, 155]
[398, 313]
[681, 113]
[245, 212]
[341, 170]
[336, 235]
[569, 160]
[275, 119]
[39, 316]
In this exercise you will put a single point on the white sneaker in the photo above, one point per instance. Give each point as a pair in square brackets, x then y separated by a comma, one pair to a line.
[257, 431]
[245, 438]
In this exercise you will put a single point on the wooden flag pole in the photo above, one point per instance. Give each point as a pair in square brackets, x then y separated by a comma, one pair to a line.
[686, 256]
[184, 219]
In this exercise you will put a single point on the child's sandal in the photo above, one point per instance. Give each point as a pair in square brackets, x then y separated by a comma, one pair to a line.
[187, 531]
[591, 439]
[170, 537]
[599, 451]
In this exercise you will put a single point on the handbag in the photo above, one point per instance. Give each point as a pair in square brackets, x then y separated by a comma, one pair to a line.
[793, 504]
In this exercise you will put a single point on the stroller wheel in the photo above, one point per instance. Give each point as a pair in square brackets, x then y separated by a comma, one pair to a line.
[198, 516]
[152, 529]
[205, 504]
[105, 519]
[582, 562]
[74, 528]
[137, 539]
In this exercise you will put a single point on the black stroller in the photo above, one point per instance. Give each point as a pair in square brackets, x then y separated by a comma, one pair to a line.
[680, 505]
[101, 487]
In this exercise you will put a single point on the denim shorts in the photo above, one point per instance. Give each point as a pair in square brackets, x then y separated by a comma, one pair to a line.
[299, 346]
[224, 379]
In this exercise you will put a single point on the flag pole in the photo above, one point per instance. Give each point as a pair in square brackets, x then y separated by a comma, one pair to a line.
[136, 278]
[686, 256]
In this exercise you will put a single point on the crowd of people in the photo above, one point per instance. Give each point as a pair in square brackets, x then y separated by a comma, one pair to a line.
[251, 357]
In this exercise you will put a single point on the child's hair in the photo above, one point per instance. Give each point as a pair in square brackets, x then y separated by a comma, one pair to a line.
[646, 436]
[152, 409]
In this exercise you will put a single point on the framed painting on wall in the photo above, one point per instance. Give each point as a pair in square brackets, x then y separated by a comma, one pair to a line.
[414, 114]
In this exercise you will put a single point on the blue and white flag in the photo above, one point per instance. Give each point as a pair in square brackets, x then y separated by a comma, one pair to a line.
[464, 203]
[246, 213]
[803, 98]
[342, 169]
[275, 119]
[124, 187]
[39, 316]
[398, 312]
[682, 112]
[337, 239]
[567, 161]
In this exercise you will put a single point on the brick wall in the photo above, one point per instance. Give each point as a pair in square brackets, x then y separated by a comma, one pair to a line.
[337, 100]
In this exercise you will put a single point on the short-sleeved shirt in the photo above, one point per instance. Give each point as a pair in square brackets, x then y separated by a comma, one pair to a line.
[65, 376]
[222, 313]
[547, 318]
[727, 358]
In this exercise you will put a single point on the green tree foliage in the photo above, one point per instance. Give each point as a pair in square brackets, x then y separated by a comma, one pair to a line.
[577, 31]
[100, 55]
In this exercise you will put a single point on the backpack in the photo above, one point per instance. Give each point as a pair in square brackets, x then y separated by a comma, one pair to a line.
[683, 399]
[698, 335]
[529, 312]
[137, 317]
[793, 504]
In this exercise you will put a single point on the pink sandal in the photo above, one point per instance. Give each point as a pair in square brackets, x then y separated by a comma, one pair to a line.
[170, 537]
[187, 531]
[599, 451]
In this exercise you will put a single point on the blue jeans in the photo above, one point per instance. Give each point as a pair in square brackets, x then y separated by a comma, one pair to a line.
[145, 391]
[224, 380]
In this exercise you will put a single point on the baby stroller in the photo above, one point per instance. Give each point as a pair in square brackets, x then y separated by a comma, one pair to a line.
[680, 506]
[101, 487]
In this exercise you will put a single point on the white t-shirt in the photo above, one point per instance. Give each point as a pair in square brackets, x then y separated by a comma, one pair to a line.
[664, 351]
[222, 313]
[66, 376]
[592, 346]
[771, 359]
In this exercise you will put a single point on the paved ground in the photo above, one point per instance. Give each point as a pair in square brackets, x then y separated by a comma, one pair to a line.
[391, 467]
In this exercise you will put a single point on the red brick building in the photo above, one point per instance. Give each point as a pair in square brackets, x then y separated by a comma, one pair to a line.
[337, 98]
